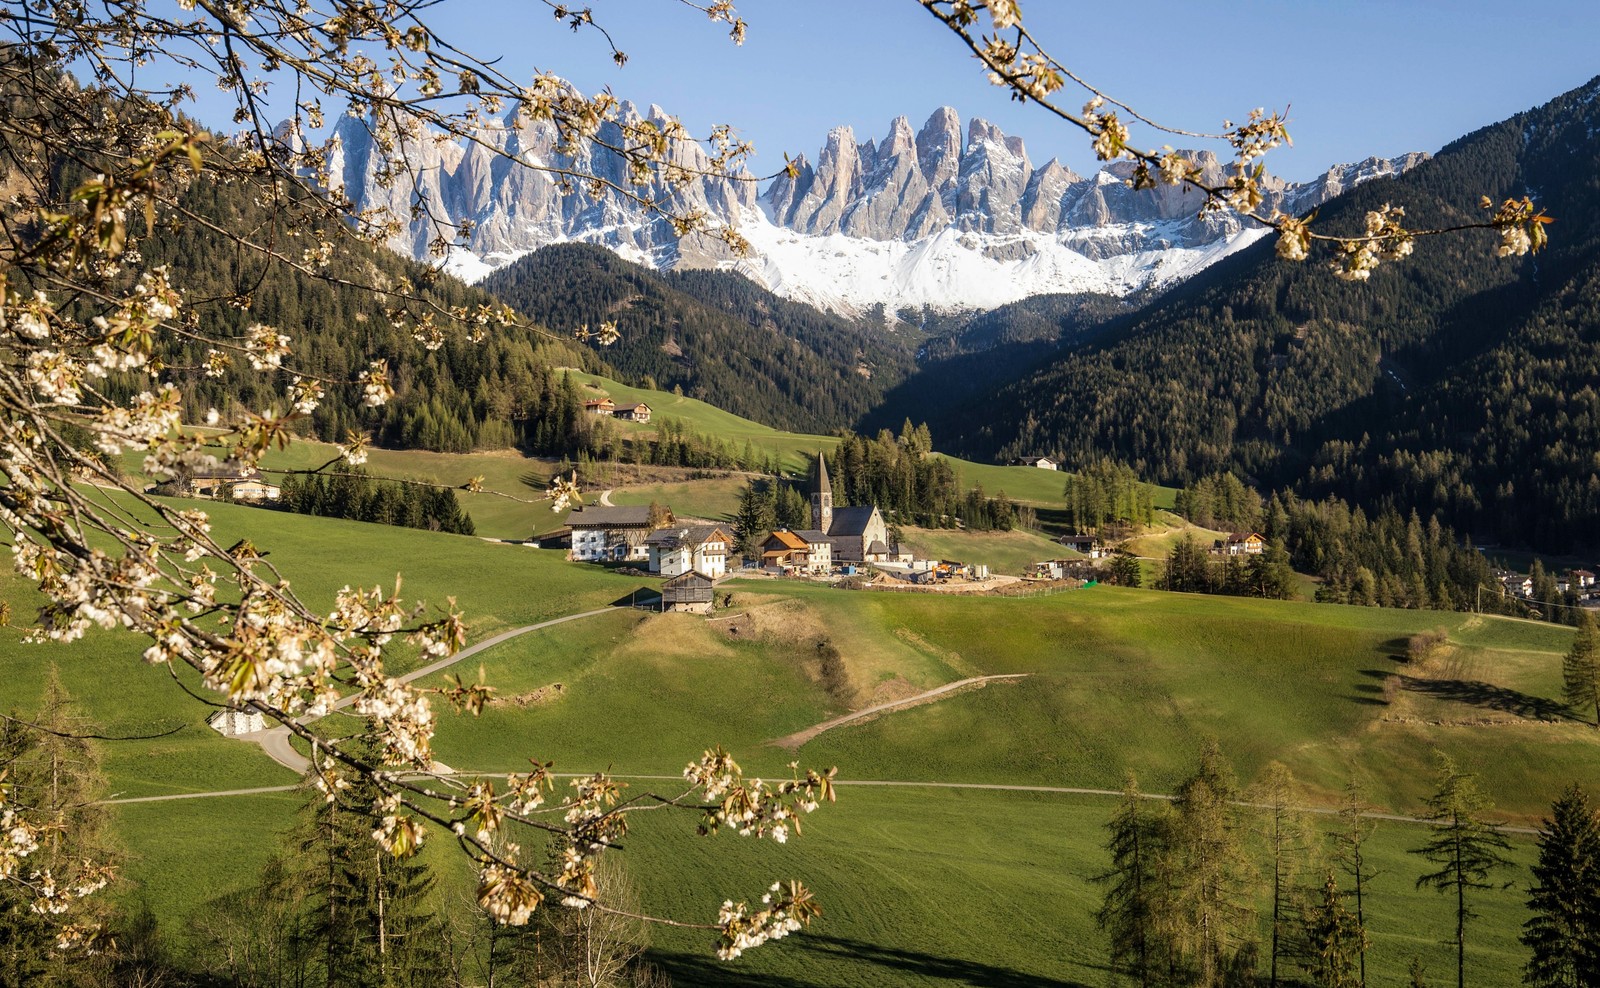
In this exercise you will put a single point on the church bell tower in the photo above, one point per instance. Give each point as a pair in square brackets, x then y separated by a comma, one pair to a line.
[821, 497]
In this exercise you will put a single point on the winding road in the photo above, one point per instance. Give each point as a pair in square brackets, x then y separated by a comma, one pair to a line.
[275, 741]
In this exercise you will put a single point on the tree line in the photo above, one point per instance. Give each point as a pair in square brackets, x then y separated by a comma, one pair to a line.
[355, 495]
[903, 479]
[1230, 887]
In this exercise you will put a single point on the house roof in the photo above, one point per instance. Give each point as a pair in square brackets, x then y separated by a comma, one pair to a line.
[612, 516]
[850, 521]
[1581, 573]
[788, 539]
[686, 535]
[877, 547]
[632, 406]
[812, 536]
[1237, 537]
[689, 579]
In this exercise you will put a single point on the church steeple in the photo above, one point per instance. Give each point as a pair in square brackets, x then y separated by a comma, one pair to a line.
[821, 497]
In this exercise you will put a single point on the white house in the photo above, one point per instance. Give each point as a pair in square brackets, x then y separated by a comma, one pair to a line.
[699, 549]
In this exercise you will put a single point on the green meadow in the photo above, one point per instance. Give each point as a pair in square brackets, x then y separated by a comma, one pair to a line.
[920, 884]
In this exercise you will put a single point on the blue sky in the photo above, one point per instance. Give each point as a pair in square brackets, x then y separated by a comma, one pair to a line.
[1359, 77]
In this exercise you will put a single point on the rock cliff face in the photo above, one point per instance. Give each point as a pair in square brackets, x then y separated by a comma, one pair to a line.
[920, 218]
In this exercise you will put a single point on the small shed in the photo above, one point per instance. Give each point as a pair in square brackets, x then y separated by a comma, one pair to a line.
[692, 592]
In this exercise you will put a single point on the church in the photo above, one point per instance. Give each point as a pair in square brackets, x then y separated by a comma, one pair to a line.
[857, 535]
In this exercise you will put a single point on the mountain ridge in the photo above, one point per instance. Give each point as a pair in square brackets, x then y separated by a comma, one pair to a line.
[931, 217]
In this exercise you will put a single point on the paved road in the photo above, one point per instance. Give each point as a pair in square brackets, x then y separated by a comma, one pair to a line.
[799, 738]
[275, 741]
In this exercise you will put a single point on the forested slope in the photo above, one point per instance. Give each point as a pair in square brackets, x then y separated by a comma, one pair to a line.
[1456, 381]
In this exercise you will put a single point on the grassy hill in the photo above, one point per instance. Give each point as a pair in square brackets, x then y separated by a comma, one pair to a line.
[1118, 680]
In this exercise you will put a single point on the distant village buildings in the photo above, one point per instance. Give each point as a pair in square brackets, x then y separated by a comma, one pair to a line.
[227, 480]
[1042, 462]
[636, 411]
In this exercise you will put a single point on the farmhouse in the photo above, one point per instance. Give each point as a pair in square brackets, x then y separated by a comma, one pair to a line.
[633, 412]
[1241, 544]
[599, 406]
[856, 535]
[1089, 545]
[691, 549]
[1581, 579]
[806, 551]
[611, 533]
[240, 482]
[1042, 462]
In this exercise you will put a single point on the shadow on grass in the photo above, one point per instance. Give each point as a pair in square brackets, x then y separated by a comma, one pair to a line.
[1371, 694]
[914, 967]
[1488, 696]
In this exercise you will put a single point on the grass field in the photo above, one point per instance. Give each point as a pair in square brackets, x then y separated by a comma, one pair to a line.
[921, 885]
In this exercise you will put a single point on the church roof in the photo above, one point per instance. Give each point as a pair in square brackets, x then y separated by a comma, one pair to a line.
[819, 477]
[850, 521]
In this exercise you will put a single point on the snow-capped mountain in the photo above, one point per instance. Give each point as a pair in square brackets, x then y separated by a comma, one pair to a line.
[921, 218]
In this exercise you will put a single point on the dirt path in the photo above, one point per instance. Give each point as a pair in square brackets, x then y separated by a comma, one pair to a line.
[880, 783]
[799, 738]
[275, 741]
[605, 498]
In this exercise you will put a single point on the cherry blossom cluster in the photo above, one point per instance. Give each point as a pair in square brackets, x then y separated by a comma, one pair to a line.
[753, 807]
[784, 909]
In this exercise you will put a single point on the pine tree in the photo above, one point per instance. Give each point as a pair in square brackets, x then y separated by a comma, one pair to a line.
[1466, 849]
[1334, 939]
[1580, 670]
[1564, 931]
[1128, 912]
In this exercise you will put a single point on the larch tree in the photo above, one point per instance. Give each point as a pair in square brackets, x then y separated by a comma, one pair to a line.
[1287, 835]
[1213, 879]
[1349, 842]
[1130, 910]
[1467, 850]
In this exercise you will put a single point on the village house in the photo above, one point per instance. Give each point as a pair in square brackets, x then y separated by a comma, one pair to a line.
[690, 549]
[856, 535]
[1518, 585]
[632, 412]
[613, 534]
[805, 551]
[1089, 545]
[229, 479]
[600, 406]
[690, 592]
[1241, 544]
[1042, 462]
[1581, 579]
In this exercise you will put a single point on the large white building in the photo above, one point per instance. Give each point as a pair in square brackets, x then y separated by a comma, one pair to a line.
[699, 549]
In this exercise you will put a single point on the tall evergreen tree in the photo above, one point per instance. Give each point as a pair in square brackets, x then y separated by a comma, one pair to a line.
[1466, 849]
[1564, 931]
[1580, 670]
[1334, 939]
